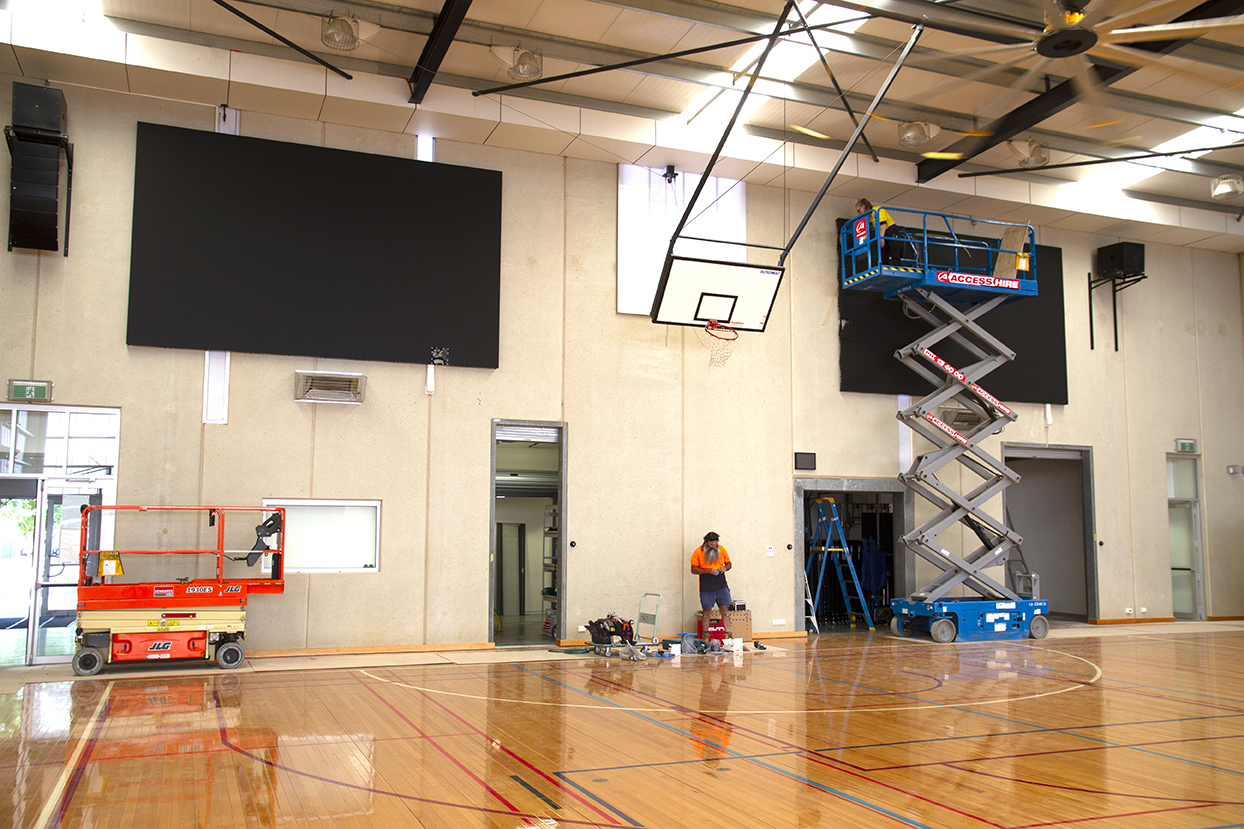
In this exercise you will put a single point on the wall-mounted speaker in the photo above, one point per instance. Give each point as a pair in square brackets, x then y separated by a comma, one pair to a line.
[35, 139]
[1120, 259]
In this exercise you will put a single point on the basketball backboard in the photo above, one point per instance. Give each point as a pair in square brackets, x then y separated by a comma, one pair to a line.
[694, 291]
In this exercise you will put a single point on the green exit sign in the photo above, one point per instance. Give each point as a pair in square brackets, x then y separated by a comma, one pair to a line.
[30, 391]
[1185, 445]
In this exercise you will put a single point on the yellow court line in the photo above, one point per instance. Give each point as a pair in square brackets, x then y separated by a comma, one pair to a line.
[58, 790]
[1097, 674]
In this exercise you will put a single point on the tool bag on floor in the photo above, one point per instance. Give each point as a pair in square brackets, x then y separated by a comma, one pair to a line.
[604, 631]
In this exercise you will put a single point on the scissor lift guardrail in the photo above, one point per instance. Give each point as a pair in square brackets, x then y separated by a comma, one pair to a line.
[951, 289]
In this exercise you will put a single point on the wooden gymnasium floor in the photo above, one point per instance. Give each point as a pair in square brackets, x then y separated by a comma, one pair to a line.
[1110, 730]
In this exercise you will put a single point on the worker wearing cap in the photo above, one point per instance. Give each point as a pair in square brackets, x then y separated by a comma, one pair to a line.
[710, 561]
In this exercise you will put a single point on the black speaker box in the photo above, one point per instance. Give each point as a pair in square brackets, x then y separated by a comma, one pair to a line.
[1120, 259]
[38, 107]
[34, 191]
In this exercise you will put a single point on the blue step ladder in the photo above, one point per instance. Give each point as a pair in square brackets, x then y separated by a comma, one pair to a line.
[829, 538]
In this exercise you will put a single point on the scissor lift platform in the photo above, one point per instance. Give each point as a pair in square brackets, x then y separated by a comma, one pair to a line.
[950, 281]
[172, 618]
[935, 256]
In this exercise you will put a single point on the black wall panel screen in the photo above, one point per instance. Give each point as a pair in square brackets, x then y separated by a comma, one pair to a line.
[874, 328]
[243, 244]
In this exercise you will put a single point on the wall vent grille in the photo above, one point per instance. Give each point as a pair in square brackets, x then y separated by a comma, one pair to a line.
[329, 387]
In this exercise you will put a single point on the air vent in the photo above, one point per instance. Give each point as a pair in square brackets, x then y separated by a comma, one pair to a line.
[329, 387]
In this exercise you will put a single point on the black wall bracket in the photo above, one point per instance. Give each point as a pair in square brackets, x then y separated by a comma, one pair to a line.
[1117, 283]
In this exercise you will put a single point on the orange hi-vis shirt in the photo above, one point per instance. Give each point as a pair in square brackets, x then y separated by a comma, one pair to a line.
[710, 582]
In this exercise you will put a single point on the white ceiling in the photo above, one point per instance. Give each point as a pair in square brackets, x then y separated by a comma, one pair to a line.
[965, 71]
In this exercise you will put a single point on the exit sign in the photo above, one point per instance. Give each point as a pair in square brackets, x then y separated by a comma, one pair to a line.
[30, 391]
[1185, 445]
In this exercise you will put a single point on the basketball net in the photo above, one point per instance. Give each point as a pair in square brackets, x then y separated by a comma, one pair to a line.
[721, 339]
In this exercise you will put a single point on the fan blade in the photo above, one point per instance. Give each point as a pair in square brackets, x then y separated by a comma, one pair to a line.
[1152, 11]
[1010, 98]
[1099, 10]
[1136, 57]
[986, 71]
[1174, 31]
[916, 60]
[1086, 82]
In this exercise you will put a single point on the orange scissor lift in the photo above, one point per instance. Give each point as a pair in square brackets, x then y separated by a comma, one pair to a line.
[178, 618]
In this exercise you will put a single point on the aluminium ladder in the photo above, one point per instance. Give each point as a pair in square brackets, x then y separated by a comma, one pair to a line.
[834, 550]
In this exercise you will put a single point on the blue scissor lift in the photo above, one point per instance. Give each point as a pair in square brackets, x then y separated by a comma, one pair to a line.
[951, 281]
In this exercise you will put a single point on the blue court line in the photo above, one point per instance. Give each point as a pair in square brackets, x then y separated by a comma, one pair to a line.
[1033, 727]
[737, 755]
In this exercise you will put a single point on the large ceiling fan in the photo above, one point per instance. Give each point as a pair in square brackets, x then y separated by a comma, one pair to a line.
[1091, 42]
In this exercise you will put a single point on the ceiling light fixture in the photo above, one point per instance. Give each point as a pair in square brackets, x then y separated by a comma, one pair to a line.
[527, 66]
[340, 31]
[1029, 154]
[915, 133]
[1227, 187]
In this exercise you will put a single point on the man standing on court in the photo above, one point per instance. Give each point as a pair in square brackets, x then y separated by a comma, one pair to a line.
[710, 561]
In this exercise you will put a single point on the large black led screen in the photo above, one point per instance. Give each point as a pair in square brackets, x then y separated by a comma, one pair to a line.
[242, 244]
[873, 328]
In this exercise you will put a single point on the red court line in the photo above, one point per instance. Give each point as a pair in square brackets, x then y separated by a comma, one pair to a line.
[836, 766]
[1025, 755]
[1199, 800]
[1113, 817]
[496, 794]
[557, 784]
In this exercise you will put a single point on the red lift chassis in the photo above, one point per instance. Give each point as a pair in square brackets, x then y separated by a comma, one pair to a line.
[186, 618]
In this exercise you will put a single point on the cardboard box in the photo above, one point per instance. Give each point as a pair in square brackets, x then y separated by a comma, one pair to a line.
[740, 623]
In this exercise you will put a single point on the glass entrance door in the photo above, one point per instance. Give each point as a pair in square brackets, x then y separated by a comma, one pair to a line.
[54, 606]
[18, 510]
[1184, 517]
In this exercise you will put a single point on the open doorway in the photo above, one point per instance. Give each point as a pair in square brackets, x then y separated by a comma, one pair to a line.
[526, 576]
[1051, 508]
[874, 515]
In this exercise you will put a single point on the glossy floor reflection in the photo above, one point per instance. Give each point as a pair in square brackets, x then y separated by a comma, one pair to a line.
[1126, 731]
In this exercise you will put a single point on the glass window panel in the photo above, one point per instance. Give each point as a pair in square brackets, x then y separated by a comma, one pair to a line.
[1183, 593]
[92, 456]
[6, 438]
[92, 425]
[1181, 535]
[39, 443]
[1181, 478]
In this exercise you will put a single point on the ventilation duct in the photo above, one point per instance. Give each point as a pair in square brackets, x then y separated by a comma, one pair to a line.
[329, 387]
[527, 484]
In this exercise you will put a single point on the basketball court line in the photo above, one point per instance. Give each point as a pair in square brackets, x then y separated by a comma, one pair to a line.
[1077, 685]
[71, 766]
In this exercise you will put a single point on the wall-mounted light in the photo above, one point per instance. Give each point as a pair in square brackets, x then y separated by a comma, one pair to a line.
[1235, 470]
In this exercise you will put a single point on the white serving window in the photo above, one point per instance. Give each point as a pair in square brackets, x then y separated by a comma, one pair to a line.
[330, 536]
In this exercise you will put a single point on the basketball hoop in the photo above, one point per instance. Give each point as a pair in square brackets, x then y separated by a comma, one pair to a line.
[721, 338]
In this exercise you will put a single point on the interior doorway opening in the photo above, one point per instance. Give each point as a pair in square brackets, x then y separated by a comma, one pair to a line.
[874, 515]
[526, 572]
[1051, 508]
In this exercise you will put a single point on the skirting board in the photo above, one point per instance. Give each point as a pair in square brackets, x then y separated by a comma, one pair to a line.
[466, 646]
[1131, 621]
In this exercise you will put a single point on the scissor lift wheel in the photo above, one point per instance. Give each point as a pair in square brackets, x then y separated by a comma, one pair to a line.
[229, 655]
[87, 662]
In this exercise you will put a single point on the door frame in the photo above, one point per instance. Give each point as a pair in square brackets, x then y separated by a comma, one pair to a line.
[107, 531]
[1083, 454]
[563, 506]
